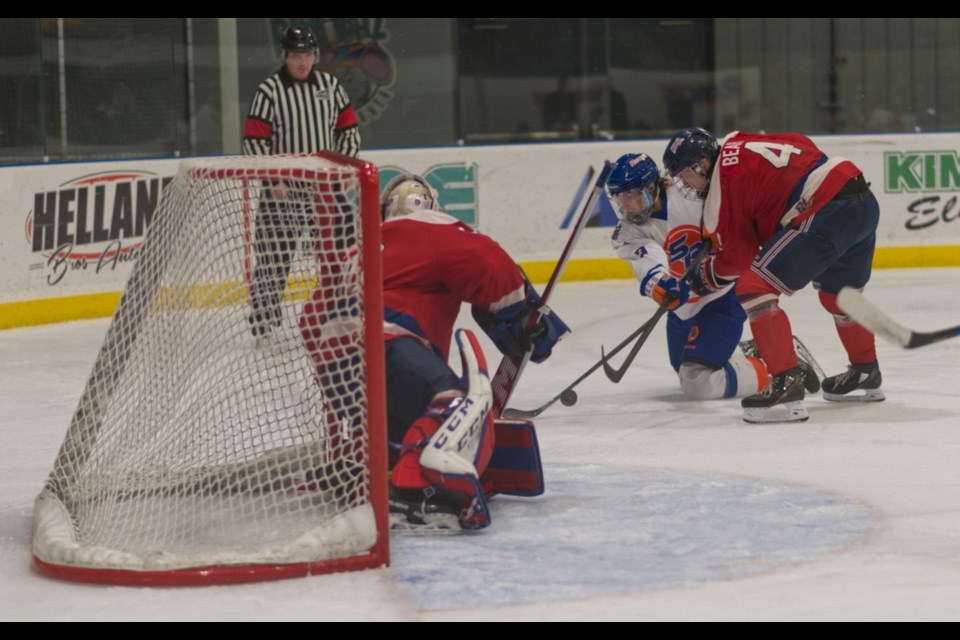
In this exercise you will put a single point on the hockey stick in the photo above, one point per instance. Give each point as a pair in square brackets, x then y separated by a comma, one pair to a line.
[615, 375]
[864, 312]
[505, 379]
[568, 397]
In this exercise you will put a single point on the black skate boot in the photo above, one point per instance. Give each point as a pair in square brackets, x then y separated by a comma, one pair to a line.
[781, 401]
[805, 361]
[847, 386]
[810, 380]
[425, 511]
[810, 367]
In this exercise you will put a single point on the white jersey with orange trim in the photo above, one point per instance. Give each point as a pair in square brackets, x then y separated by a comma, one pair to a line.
[670, 238]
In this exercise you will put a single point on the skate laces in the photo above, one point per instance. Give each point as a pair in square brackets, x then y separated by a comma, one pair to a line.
[749, 348]
[768, 390]
[851, 375]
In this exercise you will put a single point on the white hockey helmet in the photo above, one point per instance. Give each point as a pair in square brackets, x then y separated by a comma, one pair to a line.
[405, 194]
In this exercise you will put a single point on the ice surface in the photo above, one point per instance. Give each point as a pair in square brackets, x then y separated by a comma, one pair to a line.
[657, 507]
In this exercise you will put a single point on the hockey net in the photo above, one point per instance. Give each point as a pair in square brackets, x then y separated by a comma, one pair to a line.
[233, 427]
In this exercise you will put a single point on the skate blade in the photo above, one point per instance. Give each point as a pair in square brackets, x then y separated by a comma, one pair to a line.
[869, 395]
[803, 351]
[438, 525]
[781, 413]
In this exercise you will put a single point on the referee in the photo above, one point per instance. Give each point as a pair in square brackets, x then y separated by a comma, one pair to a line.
[297, 110]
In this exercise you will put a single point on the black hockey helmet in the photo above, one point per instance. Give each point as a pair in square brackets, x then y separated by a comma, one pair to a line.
[687, 147]
[298, 39]
[682, 160]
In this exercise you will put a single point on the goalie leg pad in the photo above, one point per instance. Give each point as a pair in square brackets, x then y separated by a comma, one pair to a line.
[459, 452]
[464, 443]
[424, 501]
[407, 472]
[450, 446]
[515, 468]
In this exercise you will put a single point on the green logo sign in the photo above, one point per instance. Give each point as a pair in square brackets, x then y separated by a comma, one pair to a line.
[456, 183]
[921, 171]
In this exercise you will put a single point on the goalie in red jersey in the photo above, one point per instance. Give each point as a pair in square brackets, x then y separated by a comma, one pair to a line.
[441, 429]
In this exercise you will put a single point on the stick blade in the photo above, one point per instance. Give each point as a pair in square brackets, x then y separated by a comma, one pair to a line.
[612, 374]
[865, 313]
[520, 414]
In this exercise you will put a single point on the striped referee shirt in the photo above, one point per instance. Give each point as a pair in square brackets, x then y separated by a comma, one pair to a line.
[287, 116]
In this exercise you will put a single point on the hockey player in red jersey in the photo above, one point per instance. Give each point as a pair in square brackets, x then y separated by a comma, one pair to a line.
[781, 214]
[440, 427]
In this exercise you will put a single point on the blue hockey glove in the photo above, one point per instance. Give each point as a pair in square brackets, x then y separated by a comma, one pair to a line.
[510, 328]
[665, 290]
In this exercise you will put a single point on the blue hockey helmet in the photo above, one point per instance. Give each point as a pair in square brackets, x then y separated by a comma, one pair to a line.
[634, 185]
[684, 152]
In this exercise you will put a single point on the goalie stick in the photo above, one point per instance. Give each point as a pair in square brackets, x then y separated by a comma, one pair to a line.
[505, 379]
[864, 312]
[615, 375]
[568, 396]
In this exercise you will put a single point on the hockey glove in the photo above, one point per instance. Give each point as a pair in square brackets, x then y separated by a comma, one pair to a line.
[704, 281]
[665, 290]
[511, 332]
[546, 333]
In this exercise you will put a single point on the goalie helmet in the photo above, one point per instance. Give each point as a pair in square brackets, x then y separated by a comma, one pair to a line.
[681, 160]
[299, 40]
[634, 185]
[405, 194]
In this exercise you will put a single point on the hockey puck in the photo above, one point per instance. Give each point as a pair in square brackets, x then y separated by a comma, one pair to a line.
[568, 398]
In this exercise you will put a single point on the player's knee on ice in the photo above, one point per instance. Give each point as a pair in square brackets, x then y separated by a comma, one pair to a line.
[700, 382]
[739, 377]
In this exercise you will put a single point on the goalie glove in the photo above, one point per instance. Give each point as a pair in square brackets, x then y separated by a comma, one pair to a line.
[665, 290]
[511, 332]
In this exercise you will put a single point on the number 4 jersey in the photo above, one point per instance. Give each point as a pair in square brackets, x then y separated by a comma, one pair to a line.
[762, 183]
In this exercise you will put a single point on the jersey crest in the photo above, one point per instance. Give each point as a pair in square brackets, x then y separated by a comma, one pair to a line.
[682, 245]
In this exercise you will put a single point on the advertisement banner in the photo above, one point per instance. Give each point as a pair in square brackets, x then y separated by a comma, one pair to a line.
[75, 228]
[70, 231]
